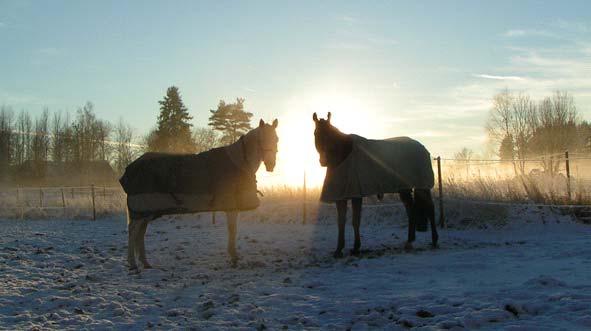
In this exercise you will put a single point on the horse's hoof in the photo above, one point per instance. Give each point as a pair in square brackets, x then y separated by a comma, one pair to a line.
[147, 265]
[434, 245]
[355, 252]
[133, 270]
[337, 254]
[408, 247]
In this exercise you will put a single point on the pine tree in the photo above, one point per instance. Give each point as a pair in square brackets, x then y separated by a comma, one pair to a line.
[173, 133]
[231, 120]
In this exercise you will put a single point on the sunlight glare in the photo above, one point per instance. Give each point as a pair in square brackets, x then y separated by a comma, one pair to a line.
[297, 153]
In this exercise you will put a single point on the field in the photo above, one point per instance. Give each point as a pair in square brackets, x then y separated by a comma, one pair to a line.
[520, 267]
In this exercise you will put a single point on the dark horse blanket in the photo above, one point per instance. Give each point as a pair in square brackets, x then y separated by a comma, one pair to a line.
[160, 183]
[379, 166]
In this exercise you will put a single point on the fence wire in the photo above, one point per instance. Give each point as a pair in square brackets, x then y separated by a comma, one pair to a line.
[69, 202]
[555, 179]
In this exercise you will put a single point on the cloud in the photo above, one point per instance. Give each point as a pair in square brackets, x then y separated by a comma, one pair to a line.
[575, 26]
[382, 41]
[2, 24]
[49, 51]
[393, 85]
[528, 33]
[344, 45]
[499, 77]
[349, 19]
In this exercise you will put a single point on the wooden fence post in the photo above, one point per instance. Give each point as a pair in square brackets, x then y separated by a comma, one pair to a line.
[93, 205]
[18, 202]
[40, 198]
[213, 217]
[63, 201]
[567, 175]
[304, 201]
[441, 213]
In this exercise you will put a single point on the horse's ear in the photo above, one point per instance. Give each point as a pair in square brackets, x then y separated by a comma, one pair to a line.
[315, 117]
[261, 123]
[328, 117]
[275, 123]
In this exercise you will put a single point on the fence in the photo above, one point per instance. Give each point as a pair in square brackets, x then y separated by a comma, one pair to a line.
[563, 179]
[81, 202]
[554, 179]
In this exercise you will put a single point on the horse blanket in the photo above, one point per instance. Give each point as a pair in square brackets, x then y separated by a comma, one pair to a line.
[379, 166]
[160, 183]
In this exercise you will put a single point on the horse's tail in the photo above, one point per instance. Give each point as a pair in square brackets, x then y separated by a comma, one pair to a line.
[127, 215]
[423, 203]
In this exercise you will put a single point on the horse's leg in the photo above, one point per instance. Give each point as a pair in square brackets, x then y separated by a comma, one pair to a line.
[342, 219]
[231, 217]
[356, 206]
[141, 245]
[427, 201]
[132, 229]
[407, 200]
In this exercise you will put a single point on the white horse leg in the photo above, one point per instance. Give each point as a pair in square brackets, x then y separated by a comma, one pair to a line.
[132, 229]
[231, 217]
[141, 247]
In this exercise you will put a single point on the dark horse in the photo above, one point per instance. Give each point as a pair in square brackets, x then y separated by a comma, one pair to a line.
[334, 147]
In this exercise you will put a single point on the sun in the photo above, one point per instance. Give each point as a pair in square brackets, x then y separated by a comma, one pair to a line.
[297, 154]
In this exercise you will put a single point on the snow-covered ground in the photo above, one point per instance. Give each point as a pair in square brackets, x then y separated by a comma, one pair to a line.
[503, 267]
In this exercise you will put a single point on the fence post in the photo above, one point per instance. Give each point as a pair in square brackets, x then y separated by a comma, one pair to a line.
[93, 205]
[18, 201]
[304, 201]
[63, 201]
[567, 175]
[213, 217]
[40, 198]
[72, 193]
[441, 213]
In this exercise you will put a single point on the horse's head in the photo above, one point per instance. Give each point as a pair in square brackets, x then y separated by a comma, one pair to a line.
[267, 140]
[323, 138]
[332, 145]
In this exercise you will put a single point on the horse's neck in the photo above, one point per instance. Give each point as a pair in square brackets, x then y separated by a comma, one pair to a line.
[245, 152]
[344, 144]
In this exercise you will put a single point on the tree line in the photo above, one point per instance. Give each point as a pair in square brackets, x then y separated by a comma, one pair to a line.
[60, 137]
[57, 136]
[525, 128]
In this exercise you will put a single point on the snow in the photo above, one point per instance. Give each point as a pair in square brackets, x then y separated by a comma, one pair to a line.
[514, 267]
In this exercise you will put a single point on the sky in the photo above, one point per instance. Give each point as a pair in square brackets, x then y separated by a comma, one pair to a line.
[425, 69]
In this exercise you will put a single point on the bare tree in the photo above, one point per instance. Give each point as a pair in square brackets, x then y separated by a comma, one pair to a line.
[6, 139]
[556, 130]
[523, 126]
[511, 124]
[86, 135]
[124, 152]
[57, 137]
[40, 138]
[463, 158]
[205, 139]
[22, 144]
[500, 118]
[102, 131]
